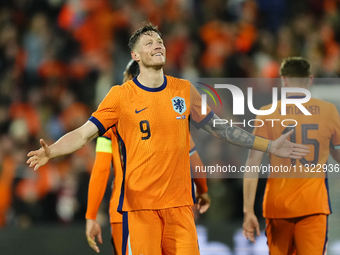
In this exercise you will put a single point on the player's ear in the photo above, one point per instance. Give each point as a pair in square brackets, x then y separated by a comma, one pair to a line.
[135, 56]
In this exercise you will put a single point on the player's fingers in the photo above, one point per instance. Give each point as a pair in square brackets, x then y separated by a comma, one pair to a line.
[43, 144]
[295, 153]
[93, 245]
[250, 235]
[31, 153]
[286, 135]
[301, 154]
[204, 208]
[99, 238]
[33, 163]
[199, 203]
[289, 132]
[91, 241]
[295, 157]
[252, 238]
[244, 232]
[300, 148]
[30, 160]
[258, 230]
[36, 167]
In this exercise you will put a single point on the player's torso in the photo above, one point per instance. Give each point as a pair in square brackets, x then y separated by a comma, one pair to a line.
[303, 191]
[154, 121]
[313, 130]
[154, 130]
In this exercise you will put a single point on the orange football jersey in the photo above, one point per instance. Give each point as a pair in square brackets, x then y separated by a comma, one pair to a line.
[302, 191]
[153, 129]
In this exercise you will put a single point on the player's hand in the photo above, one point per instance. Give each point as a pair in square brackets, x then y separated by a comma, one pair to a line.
[93, 230]
[203, 202]
[39, 157]
[283, 148]
[250, 223]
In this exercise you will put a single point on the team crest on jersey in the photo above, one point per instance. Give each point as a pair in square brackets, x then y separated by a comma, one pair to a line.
[178, 103]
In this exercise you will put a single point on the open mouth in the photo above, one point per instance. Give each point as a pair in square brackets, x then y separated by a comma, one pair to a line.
[158, 54]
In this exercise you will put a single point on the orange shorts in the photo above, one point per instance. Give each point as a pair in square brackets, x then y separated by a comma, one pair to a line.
[161, 232]
[302, 235]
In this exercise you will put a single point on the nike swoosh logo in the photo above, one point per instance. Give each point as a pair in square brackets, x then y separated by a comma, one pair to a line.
[140, 110]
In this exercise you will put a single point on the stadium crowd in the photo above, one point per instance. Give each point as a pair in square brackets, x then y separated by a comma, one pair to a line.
[59, 58]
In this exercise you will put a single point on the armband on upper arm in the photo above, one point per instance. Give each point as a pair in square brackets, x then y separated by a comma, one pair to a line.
[103, 145]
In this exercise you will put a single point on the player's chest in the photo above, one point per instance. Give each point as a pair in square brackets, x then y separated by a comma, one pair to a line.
[156, 109]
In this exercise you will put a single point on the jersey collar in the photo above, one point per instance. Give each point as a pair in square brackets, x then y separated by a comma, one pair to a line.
[151, 89]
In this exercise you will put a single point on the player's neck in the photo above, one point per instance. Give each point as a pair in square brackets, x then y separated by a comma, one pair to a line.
[151, 78]
[297, 94]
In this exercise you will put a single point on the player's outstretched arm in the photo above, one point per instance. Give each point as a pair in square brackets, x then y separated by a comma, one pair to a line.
[281, 147]
[250, 222]
[67, 144]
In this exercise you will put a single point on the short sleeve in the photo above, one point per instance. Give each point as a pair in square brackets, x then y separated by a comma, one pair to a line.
[196, 116]
[108, 110]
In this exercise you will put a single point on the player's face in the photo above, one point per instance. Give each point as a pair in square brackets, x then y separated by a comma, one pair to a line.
[150, 50]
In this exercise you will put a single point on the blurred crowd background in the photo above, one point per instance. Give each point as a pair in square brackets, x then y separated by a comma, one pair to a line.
[58, 59]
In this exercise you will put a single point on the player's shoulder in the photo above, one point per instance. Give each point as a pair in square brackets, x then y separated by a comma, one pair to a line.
[122, 89]
[115, 89]
[321, 102]
[127, 85]
[324, 107]
[177, 81]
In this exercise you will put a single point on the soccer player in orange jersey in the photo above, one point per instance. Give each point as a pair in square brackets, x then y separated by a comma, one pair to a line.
[151, 115]
[296, 204]
[107, 152]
